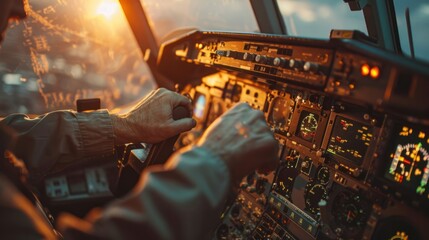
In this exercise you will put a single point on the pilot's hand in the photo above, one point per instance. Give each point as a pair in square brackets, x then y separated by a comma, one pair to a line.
[242, 138]
[151, 120]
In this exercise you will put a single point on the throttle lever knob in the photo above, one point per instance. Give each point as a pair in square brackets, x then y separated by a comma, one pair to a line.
[180, 112]
[160, 152]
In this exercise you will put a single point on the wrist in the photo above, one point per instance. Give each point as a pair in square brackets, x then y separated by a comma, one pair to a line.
[120, 129]
[227, 158]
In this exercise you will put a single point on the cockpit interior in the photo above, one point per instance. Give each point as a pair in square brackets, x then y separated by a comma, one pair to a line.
[343, 85]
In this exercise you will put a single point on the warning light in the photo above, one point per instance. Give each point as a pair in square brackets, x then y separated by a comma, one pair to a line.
[364, 70]
[375, 72]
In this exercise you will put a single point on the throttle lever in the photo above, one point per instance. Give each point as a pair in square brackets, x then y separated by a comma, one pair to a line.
[139, 156]
[160, 152]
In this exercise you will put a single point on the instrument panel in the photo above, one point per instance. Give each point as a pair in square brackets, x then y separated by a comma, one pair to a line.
[353, 165]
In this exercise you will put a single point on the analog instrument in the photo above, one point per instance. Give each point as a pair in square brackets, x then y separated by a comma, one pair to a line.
[410, 166]
[323, 175]
[315, 196]
[350, 210]
[280, 113]
[308, 126]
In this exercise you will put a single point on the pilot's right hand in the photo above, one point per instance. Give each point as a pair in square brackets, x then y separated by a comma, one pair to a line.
[151, 120]
[242, 138]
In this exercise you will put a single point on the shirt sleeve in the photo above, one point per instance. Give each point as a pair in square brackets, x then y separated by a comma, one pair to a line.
[18, 217]
[60, 138]
[182, 200]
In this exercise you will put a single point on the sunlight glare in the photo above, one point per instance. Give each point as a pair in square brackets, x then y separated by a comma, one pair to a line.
[108, 9]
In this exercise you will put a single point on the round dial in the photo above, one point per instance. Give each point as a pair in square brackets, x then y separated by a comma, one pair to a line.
[350, 210]
[410, 166]
[395, 228]
[308, 126]
[315, 195]
[279, 113]
[323, 175]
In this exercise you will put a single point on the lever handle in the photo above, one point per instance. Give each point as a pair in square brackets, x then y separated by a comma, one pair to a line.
[141, 155]
[160, 152]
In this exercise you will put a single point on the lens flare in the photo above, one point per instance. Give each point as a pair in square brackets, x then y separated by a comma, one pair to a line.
[108, 9]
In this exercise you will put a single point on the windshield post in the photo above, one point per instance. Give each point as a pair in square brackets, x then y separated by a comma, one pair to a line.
[380, 21]
[140, 26]
[267, 21]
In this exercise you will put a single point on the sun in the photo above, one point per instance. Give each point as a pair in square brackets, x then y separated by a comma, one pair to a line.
[107, 9]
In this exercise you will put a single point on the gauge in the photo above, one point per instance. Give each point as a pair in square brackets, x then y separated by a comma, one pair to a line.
[306, 166]
[410, 166]
[315, 196]
[285, 181]
[395, 228]
[350, 211]
[308, 126]
[293, 158]
[323, 175]
[279, 114]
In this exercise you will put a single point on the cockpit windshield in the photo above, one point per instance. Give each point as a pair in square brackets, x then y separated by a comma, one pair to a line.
[313, 18]
[419, 20]
[70, 49]
[166, 17]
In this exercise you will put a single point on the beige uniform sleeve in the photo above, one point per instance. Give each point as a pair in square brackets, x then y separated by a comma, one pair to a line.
[51, 141]
[182, 200]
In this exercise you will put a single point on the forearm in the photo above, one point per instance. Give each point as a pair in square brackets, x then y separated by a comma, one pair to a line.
[61, 138]
[123, 133]
[183, 200]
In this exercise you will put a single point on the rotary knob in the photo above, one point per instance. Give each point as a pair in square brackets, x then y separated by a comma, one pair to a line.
[248, 56]
[295, 63]
[311, 67]
[278, 61]
[260, 59]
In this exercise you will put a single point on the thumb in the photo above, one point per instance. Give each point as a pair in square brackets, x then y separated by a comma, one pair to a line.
[183, 125]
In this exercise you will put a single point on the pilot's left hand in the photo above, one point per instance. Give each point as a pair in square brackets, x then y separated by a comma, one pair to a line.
[151, 120]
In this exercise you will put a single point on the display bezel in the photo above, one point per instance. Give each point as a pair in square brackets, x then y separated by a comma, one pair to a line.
[323, 116]
[397, 189]
[350, 164]
[287, 98]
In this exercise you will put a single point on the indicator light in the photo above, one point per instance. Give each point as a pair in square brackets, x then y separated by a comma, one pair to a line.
[375, 72]
[364, 70]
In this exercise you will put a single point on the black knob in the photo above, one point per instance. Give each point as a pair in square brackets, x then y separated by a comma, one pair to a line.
[295, 63]
[180, 112]
[248, 57]
[260, 59]
[278, 61]
[311, 67]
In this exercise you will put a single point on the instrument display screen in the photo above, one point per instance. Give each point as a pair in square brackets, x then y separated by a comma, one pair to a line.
[408, 159]
[350, 139]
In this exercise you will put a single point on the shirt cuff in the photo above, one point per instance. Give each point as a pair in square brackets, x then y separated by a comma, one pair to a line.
[97, 135]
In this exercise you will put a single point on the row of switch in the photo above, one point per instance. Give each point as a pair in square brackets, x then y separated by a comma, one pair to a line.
[277, 61]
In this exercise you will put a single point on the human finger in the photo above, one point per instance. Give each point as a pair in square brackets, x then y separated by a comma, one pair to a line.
[182, 125]
[180, 100]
